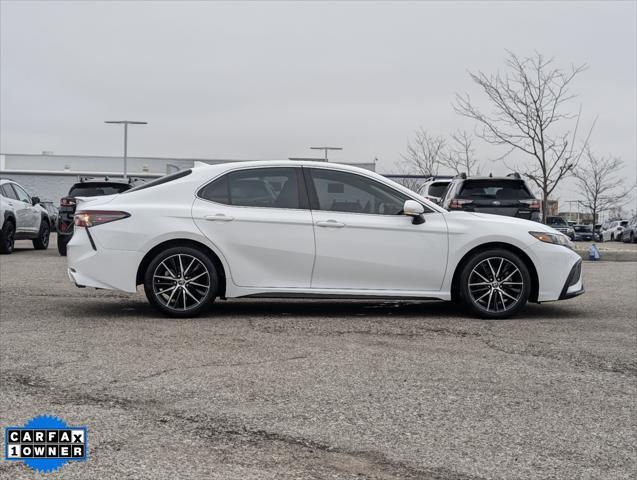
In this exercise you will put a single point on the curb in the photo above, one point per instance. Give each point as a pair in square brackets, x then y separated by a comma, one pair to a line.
[611, 255]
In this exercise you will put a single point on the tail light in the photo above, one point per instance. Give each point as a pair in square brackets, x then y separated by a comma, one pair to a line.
[457, 204]
[533, 204]
[93, 218]
[67, 202]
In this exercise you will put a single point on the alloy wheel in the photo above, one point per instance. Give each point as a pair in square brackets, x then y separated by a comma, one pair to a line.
[181, 282]
[496, 284]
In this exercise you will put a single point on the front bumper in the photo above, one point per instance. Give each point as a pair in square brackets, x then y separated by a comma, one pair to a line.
[574, 286]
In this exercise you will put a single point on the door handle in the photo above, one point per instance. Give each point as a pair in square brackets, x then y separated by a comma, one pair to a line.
[219, 217]
[330, 223]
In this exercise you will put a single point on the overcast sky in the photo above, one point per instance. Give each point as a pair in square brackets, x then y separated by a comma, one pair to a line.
[268, 80]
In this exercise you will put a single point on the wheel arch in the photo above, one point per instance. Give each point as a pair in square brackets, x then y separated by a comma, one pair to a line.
[535, 283]
[9, 216]
[183, 242]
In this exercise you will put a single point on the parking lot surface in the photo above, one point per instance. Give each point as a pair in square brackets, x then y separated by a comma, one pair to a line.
[322, 389]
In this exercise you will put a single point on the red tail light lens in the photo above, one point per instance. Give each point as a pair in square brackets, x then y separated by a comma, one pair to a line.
[67, 202]
[533, 204]
[457, 204]
[93, 218]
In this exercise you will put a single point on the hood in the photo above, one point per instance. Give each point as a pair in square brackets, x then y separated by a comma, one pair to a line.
[504, 220]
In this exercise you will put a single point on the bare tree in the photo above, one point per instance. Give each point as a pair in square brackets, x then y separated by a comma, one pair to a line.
[601, 183]
[460, 155]
[529, 115]
[424, 154]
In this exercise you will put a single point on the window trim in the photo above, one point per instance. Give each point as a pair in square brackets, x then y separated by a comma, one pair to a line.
[304, 202]
[315, 205]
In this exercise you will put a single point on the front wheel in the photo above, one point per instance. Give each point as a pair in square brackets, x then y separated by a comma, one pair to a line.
[181, 281]
[495, 284]
[41, 242]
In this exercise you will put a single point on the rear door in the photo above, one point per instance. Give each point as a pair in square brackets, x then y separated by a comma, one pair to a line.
[260, 221]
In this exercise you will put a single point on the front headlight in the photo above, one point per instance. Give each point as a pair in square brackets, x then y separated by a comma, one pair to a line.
[556, 238]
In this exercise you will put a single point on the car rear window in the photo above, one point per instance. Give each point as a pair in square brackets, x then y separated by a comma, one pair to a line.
[160, 181]
[437, 189]
[495, 189]
[96, 189]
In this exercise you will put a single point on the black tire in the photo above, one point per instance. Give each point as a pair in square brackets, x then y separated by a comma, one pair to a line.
[63, 240]
[7, 237]
[169, 275]
[632, 237]
[42, 240]
[512, 279]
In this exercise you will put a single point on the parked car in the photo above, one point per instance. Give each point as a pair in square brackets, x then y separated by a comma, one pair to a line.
[629, 233]
[53, 212]
[508, 196]
[309, 229]
[86, 187]
[434, 187]
[613, 230]
[21, 217]
[559, 224]
[583, 233]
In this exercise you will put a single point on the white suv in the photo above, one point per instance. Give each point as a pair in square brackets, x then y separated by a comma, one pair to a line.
[21, 217]
[613, 230]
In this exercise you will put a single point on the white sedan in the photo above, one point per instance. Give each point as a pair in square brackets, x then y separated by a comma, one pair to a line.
[311, 229]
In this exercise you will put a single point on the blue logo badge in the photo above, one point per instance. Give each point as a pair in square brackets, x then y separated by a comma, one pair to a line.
[45, 443]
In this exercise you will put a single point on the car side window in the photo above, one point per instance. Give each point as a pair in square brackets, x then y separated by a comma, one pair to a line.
[338, 191]
[22, 195]
[276, 187]
[8, 192]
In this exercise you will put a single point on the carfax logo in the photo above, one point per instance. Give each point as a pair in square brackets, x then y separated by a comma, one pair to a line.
[45, 443]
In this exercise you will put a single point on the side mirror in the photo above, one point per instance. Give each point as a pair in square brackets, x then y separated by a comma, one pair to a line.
[411, 208]
[35, 200]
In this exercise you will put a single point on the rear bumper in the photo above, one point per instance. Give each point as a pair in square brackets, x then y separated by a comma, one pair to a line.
[98, 267]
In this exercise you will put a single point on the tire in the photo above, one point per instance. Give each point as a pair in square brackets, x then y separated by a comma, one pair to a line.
[167, 288]
[63, 240]
[612, 237]
[7, 237]
[481, 298]
[42, 240]
[631, 239]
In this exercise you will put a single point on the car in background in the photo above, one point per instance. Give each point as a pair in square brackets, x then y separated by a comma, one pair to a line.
[310, 229]
[613, 230]
[434, 187]
[509, 196]
[629, 233]
[53, 212]
[597, 233]
[583, 233]
[561, 225]
[21, 217]
[86, 187]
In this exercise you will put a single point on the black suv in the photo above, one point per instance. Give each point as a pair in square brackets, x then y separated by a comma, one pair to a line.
[86, 187]
[509, 196]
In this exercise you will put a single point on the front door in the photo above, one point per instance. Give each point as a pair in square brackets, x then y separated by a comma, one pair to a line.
[363, 241]
[260, 220]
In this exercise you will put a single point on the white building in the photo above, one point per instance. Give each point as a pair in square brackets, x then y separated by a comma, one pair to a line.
[50, 176]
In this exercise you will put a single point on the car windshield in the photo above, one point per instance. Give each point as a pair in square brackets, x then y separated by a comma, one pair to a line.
[495, 189]
[95, 189]
[437, 189]
[556, 222]
[583, 228]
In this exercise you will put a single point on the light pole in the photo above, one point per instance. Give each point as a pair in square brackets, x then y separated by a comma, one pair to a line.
[126, 123]
[326, 149]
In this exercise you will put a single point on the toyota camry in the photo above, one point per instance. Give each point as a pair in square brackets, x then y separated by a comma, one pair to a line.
[310, 230]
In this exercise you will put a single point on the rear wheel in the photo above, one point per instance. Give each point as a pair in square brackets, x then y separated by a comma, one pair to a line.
[42, 240]
[495, 284]
[181, 281]
[7, 237]
[63, 240]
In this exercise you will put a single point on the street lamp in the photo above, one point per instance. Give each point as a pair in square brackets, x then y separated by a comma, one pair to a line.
[326, 149]
[126, 123]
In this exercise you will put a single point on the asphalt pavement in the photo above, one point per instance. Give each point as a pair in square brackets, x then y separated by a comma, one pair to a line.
[272, 389]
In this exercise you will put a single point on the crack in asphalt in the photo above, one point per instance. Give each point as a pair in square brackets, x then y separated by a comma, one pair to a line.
[361, 463]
